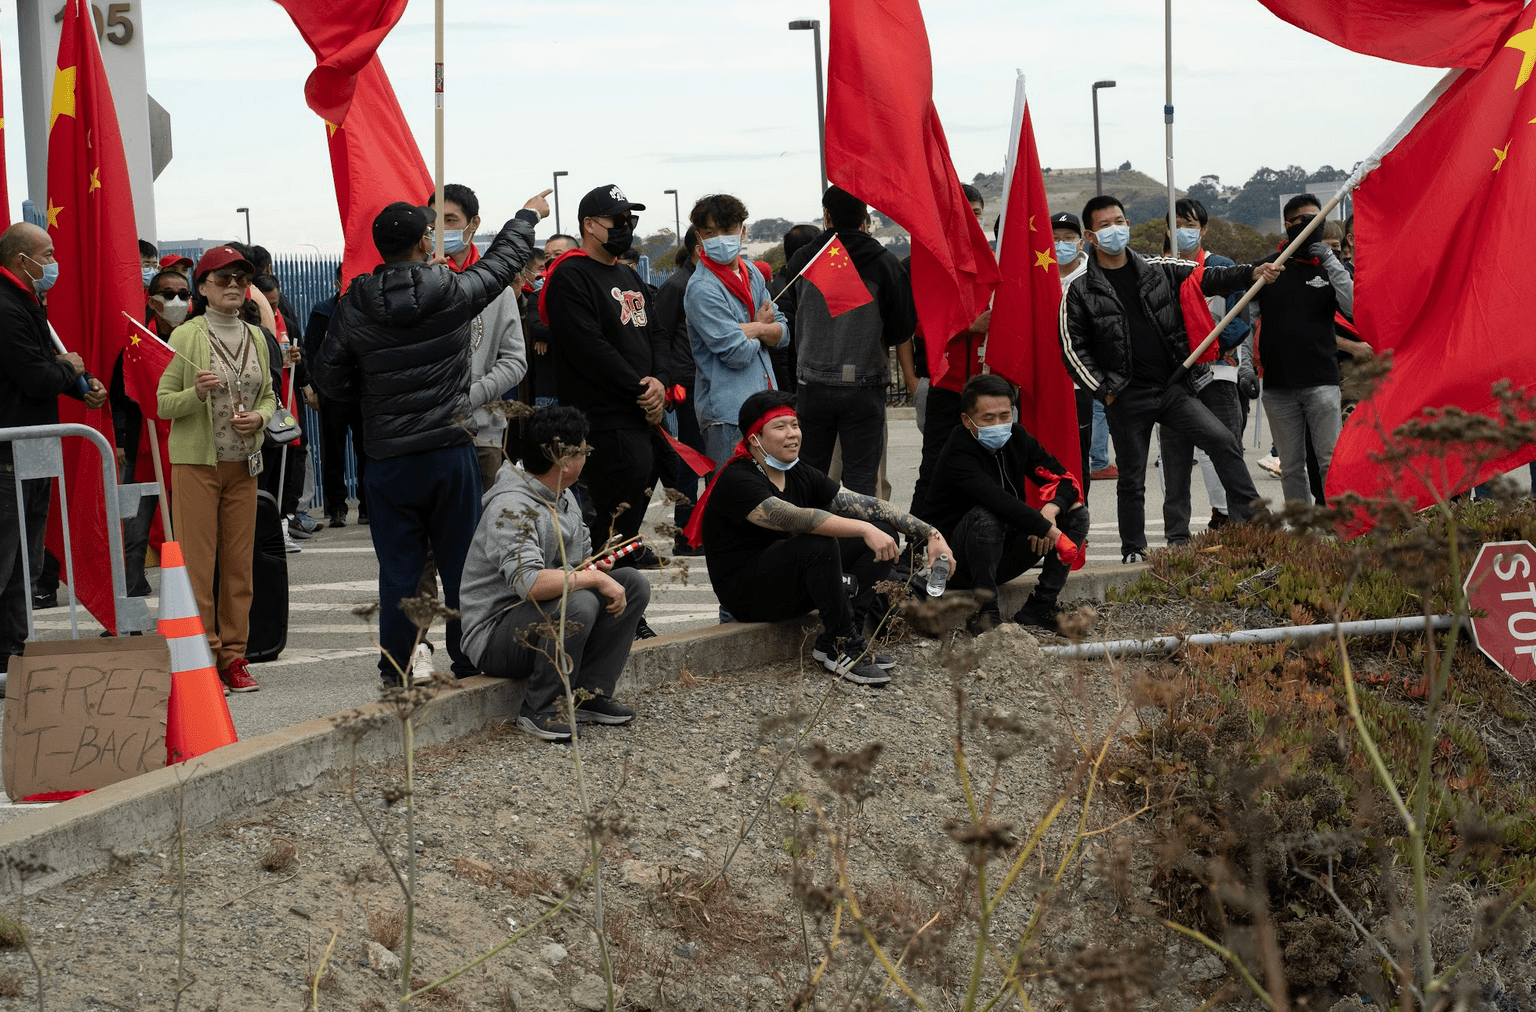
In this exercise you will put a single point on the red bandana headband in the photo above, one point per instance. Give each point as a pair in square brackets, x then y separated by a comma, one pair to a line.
[694, 532]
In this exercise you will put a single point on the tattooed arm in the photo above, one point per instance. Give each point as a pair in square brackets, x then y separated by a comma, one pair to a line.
[867, 507]
[777, 515]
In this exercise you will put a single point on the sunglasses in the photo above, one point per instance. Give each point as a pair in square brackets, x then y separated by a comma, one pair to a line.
[230, 279]
[170, 293]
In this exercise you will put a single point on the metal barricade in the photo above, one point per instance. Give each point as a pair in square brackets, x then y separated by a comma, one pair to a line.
[38, 452]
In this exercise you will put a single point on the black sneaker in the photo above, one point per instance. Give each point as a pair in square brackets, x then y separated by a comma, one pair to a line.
[858, 668]
[1131, 558]
[362, 520]
[41, 601]
[545, 726]
[680, 546]
[643, 631]
[337, 520]
[985, 620]
[603, 710]
[1035, 613]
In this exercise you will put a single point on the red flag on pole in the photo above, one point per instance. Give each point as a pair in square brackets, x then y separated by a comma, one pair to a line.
[885, 145]
[834, 275]
[1455, 322]
[1429, 33]
[5, 190]
[374, 157]
[90, 218]
[1023, 345]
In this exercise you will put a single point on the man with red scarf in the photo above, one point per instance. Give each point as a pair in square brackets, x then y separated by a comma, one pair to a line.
[498, 357]
[779, 537]
[731, 323]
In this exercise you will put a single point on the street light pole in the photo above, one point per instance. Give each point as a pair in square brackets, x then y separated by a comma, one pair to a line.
[1098, 161]
[677, 214]
[247, 212]
[814, 27]
[557, 198]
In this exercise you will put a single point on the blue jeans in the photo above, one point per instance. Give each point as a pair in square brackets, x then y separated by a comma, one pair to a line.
[720, 439]
[1299, 416]
[418, 502]
[1098, 450]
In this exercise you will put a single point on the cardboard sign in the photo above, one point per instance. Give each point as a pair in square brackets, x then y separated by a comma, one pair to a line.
[82, 714]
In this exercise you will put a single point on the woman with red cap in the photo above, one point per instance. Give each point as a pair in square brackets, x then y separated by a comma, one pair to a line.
[217, 394]
[779, 535]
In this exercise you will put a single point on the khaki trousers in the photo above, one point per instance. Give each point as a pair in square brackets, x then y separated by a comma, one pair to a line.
[214, 510]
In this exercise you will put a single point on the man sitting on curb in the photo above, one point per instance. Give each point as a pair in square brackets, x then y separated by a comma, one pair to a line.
[977, 498]
[779, 537]
[516, 572]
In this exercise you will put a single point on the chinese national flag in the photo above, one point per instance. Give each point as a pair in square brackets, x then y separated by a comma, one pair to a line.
[90, 218]
[374, 158]
[5, 191]
[1023, 343]
[835, 276]
[885, 145]
[1427, 33]
[1456, 323]
[144, 361]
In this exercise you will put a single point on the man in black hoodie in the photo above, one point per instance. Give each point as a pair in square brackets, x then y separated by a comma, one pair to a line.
[399, 343]
[672, 320]
[976, 498]
[843, 363]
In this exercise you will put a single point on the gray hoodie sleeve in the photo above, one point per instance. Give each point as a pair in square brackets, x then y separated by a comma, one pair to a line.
[511, 362]
[1338, 276]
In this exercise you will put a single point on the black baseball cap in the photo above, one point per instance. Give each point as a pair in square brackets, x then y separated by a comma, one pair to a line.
[606, 202]
[400, 225]
[1066, 220]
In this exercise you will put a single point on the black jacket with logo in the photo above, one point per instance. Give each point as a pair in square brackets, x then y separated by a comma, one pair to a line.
[399, 343]
[604, 339]
[1095, 337]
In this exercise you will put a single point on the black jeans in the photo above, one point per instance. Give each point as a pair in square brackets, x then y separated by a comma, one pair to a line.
[941, 416]
[1131, 418]
[14, 588]
[620, 472]
[337, 419]
[1179, 456]
[989, 552]
[597, 643]
[795, 574]
[854, 414]
[1084, 437]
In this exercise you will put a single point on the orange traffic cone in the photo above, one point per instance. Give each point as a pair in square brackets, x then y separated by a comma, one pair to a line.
[197, 719]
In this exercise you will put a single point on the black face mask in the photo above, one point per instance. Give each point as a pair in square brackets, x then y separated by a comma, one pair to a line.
[620, 239]
[1292, 231]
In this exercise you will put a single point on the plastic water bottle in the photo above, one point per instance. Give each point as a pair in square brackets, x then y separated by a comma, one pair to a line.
[938, 576]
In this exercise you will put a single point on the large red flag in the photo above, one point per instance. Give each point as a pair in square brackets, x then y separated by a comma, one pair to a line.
[885, 145]
[374, 158]
[90, 217]
[1453, 186]
[1023, 345]
[1429, 33]
[834, 275]
[5, 190]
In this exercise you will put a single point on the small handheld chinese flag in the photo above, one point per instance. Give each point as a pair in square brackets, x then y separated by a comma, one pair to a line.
[834, 275]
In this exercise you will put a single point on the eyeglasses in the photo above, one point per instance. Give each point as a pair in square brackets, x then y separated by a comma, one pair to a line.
[169, 293]
[230, 279]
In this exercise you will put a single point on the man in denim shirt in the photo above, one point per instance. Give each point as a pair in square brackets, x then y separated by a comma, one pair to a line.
[732, 323]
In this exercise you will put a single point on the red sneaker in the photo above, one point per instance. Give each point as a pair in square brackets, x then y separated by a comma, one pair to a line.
[1109, 473]
[238, 677]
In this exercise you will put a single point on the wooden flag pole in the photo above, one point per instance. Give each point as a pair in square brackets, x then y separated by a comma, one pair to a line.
[1285, 255]
[165, 490]
[437, 232]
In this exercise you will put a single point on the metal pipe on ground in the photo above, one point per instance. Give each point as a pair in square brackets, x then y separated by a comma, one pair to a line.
[1279, 634]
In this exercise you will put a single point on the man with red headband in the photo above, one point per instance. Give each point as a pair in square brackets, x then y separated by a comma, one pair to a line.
[732, 324]
[779, 538]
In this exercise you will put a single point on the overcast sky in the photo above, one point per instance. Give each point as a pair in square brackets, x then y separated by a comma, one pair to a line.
[711, 96]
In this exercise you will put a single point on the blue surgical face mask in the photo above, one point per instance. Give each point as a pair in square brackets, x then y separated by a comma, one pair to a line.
[50, 275]
[1066, 251]
[994, 437]
[723, 249]
[149, 275]
[453, 243]
[1113, 239]
[774, 462]
[1187, 238]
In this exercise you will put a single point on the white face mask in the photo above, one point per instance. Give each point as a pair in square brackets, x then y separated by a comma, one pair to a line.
[174, 311]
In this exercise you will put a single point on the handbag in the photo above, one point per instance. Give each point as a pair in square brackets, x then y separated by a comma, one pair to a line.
[283, 427]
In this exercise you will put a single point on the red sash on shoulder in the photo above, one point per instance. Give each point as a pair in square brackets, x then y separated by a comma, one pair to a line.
[737, 282]
[1197, 312]
[548, 273]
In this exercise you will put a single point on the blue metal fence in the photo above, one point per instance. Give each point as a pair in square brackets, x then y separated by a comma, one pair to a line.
[308, 281]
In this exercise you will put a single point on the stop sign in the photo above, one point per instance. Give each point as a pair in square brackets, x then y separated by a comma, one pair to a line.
[1502, 584]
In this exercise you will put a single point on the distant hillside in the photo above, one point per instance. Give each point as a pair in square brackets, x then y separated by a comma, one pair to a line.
[1144, 198]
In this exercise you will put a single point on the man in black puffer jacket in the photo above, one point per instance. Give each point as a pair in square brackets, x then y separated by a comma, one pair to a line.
[399, 343]
[1123, 336]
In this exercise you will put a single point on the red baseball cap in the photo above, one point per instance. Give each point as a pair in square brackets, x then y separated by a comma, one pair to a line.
[173, 260]
[220, 257]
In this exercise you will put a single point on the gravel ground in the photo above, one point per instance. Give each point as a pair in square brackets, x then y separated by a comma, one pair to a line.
[499, 836]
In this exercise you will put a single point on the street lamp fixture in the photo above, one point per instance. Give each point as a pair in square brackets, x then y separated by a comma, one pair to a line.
[1098, 163]
[247, 212]
[814, 27]
[557, 197]
[677, 212]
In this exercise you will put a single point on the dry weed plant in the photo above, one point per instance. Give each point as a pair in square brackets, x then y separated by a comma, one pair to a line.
[279, 856]
[12, 984]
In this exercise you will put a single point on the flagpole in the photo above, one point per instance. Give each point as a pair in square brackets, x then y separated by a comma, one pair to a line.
[156, 336]
[437, 232]
[802, 269]
[1010, 166]
[165, 490]
[1173, 247]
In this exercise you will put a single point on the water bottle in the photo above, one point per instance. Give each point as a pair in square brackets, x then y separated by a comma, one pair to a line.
[938, 576]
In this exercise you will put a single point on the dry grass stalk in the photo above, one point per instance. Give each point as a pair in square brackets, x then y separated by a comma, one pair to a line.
[279, 856]
[386, 926]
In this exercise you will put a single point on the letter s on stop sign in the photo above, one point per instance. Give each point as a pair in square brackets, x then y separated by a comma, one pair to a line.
[1502, 585]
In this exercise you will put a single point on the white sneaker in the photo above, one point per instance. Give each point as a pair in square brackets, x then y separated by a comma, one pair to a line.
[421, 664]
[1271, 464]
[289, 544]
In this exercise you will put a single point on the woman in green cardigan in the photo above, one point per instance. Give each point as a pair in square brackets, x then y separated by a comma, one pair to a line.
[217, 394]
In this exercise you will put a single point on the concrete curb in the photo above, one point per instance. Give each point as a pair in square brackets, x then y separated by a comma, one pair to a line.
[137, 816]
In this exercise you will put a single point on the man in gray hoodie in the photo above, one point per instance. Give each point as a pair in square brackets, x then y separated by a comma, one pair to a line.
[529, 550]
